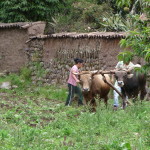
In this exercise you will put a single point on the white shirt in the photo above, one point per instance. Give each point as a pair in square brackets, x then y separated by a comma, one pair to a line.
[120, 65]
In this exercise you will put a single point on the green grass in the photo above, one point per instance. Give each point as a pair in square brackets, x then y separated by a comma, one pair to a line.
[35, 118]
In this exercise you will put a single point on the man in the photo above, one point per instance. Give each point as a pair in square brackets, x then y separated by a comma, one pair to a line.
[121, 65]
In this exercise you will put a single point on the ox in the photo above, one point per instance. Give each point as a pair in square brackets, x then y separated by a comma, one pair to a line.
[131, 84]
[92, 84]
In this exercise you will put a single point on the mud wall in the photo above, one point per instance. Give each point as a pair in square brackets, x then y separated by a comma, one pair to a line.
[56, 56]
[12, 49]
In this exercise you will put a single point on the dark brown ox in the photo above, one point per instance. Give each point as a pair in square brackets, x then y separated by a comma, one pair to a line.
[131, 84]
[93, 85]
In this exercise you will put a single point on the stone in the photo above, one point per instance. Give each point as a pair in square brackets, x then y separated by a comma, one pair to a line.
[14, 86]
[2, 74]
[5, 85]
[37, 28]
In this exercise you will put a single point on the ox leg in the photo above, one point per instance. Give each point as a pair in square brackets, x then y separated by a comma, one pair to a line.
[93, 102]
[93, 105]
[143, 93]
[123, 98]
[143, 90]
[106, 101]
[124, 103]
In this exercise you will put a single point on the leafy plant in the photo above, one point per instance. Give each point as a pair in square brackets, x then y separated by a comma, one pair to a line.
[125, 56]
[138, 41]
[116, 22]
[25, 73]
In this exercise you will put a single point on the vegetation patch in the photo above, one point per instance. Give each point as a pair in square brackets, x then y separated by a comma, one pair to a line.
[36, 118]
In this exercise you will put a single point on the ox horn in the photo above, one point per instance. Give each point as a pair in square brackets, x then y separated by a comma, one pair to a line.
[131, 68]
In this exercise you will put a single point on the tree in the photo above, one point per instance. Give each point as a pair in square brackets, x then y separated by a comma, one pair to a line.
[28, 10]
[138, 39]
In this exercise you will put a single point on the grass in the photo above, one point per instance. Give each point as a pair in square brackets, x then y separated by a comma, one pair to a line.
[35, 118]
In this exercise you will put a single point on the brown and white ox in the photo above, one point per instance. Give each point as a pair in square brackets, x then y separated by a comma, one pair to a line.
[93, 85]
[131, 84]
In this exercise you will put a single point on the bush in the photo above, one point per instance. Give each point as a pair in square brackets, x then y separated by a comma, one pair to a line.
[25, 74]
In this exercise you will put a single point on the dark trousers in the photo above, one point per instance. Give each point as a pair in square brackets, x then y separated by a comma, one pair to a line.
[74, 90]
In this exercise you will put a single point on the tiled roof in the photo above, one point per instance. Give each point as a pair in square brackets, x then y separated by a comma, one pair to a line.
[83, 35]
[13, 25]
[18, 25]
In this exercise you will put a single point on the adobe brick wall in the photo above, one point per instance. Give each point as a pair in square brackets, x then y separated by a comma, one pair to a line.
[12, 49]
[56, 56]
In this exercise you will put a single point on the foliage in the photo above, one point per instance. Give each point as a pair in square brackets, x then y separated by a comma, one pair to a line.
[74, 15]
[123, 3]
[25, 10]
[21, 80]
[13, 78]
[111, 3]
[124, 7]
[38, 68]
[138, 41]
[51, 92]
[115, 22]
[125, 14]
[132, 6]
[25, 73]
[80, 16]
[125, 56]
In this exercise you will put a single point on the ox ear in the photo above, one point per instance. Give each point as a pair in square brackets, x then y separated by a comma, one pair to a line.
[130, 75]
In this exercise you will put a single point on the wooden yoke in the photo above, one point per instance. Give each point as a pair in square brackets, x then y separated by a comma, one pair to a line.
[104, 78]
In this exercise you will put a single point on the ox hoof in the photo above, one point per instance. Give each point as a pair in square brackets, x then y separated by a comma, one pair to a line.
[115, 108]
